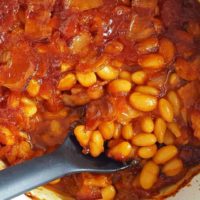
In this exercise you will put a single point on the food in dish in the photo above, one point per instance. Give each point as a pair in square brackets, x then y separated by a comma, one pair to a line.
[123, 74]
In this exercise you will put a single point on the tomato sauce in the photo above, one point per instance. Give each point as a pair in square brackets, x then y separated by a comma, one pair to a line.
[45, 40]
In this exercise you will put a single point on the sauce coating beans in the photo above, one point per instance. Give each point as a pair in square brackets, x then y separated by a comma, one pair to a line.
[96, 144]
[144, 139]
[143, 102]
[86, 79]
[149, 175]
[160, 129]
[122, 75]
[82, 135]
[166, 110]
[107, 130]
[165, 154]
[151, 61]
[119, 86]
[147, 152]
[147, 124]
[139, 77]
[108, 73]
[127, 131]
[173, 167]
[121, 151]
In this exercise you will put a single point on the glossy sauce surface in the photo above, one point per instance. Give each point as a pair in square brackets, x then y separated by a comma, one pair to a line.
[64, 63]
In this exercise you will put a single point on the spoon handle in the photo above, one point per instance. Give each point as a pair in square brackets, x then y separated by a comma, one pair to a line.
[21, 178]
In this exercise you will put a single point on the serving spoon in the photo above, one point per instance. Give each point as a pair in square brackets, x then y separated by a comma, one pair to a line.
[67, 159]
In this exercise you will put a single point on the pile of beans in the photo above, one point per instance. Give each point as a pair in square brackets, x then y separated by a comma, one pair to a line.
[155, 112]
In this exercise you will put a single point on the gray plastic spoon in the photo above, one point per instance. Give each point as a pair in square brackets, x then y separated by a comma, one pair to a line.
[67, 159]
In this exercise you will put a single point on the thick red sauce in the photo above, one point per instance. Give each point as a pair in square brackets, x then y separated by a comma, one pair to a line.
[37, 37]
